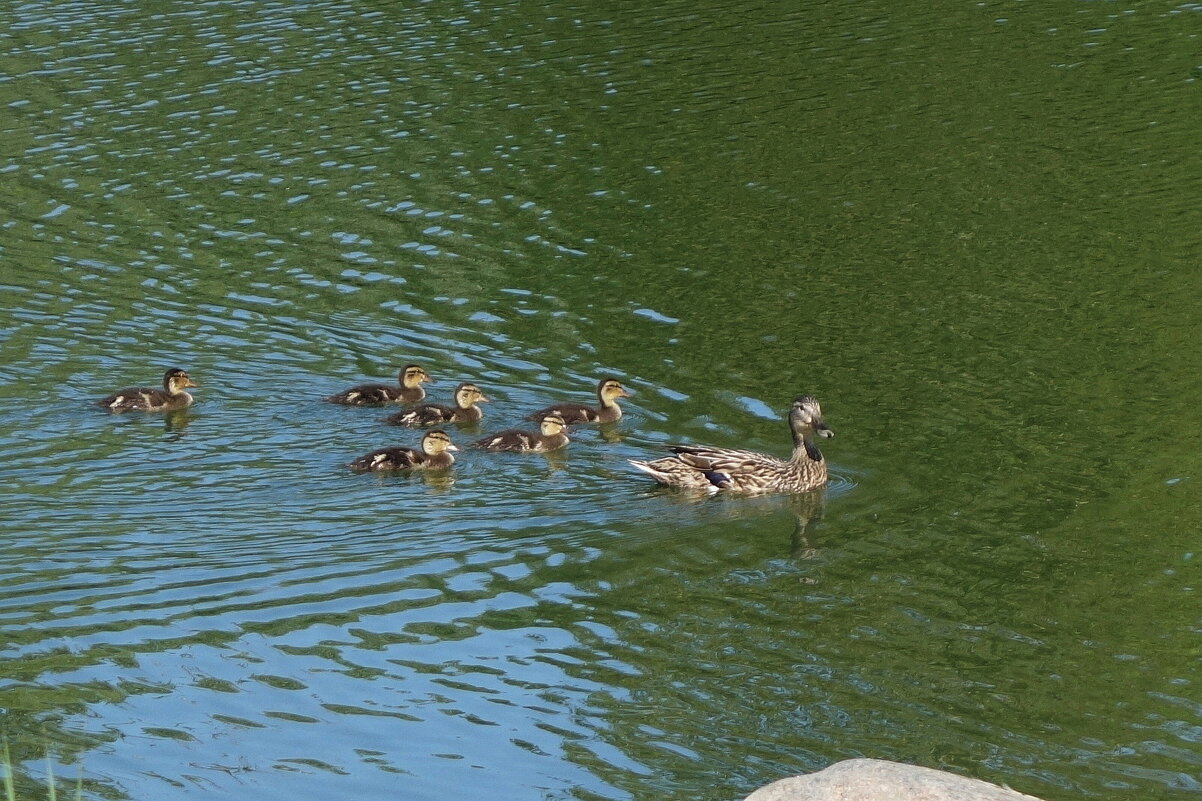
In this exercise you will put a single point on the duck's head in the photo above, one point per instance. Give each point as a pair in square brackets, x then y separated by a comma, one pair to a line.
[176, 381]
[611, 388]
[412, 376]
[807, 414]
[468, 395]
[551, 425]
[436, 441]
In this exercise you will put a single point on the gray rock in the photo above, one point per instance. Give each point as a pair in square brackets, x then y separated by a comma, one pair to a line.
[879, 780]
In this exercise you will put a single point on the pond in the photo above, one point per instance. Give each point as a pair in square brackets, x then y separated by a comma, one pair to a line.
[972, 231]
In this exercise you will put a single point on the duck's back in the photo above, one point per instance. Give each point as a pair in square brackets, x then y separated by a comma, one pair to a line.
[511, 439]
[368, 394]
[434, 413]
[426, 415]
[389, 459]
[570, 412]
[144, 399]
[514, 439]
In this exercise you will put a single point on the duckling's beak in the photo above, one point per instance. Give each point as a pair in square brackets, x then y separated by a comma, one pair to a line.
[452, 448]
[482, 399]
[623, 392]
[823, 430]
[191, 383]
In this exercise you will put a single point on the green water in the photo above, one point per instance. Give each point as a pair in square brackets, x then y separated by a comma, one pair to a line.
[972, 230]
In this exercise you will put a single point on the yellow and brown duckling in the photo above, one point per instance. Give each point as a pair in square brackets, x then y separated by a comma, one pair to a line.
[465, 410]
[408, 390]
[550, 437]
[435, 454]
[608, 392]
[730, 470]
[173, 395]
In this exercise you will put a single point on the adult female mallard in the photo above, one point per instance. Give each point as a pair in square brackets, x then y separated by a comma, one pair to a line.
[550, 437]
[714, 469]
[608, 392]
[434, 455]
[465, 410]
[409, 390]
[173, 395]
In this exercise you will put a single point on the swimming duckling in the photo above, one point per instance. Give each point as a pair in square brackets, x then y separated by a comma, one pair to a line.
[608, 392]
[409, 390]
[714, 469]
[434, 455]
[550, 437]
[148, 399]
[465, 410]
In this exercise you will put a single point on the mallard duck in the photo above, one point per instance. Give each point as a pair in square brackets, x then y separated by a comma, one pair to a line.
[434, 455]
[409, 390]
[608, 392]
[550, 437]
[465, 410]
[149, 399]
[714, 469]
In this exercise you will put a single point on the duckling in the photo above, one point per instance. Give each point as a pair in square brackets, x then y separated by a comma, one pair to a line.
[434, 455]
[465, 410]
[409, 390]
[148, 399]
[715, 469]
[608, 392]
[551, 437]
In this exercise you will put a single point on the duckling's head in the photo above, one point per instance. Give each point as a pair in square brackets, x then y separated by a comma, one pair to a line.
[412, 376]
[436, 441]
[806, 413]
[468, 395]
[611, 388]
[551, 425]
[176, 381]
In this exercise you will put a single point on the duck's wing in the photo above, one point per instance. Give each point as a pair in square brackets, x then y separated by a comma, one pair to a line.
[509, 440]
[135, 399]
[672, 472]
[427, 415]
[365, 395]
[726, 460]
[570, 412]
[739, 470]
[389, 459]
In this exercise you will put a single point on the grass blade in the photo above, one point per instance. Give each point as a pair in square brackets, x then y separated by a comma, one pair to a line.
[9, 790]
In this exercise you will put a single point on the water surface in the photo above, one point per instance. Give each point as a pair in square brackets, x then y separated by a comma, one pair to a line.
[970, 231]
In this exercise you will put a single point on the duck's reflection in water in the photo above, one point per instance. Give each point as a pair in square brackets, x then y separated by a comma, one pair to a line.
[174, 423]
[805, 508]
